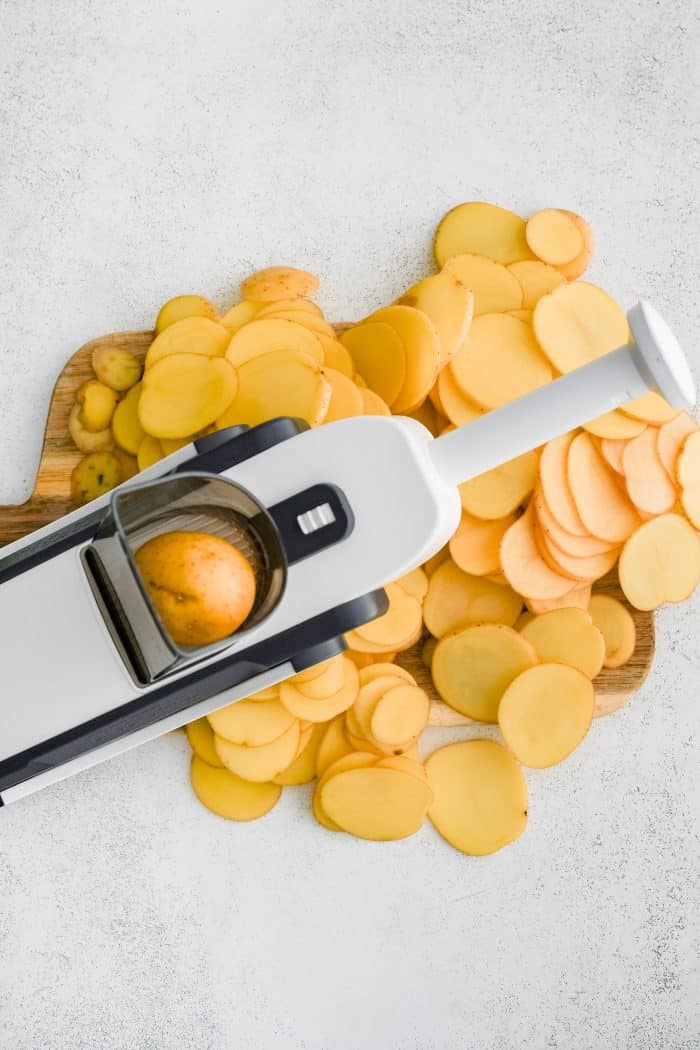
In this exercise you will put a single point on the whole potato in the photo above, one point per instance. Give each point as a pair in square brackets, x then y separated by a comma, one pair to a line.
[201, 586]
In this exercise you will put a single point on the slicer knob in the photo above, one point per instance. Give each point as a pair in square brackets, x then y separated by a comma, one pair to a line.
[219, 437]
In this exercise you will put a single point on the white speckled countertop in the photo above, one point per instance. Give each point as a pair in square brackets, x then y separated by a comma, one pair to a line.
[154, 148]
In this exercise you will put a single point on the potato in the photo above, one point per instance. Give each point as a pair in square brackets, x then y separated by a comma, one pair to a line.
[201, 737]
[149, 452]
[479, 796]
[422, 346]
[279, 383]
[428, 651]
[332, 745]
[614, 425]
[475, 546]
[336, 356]
[650, 408]
[183, 306]
[201, 586]
[449, 303]
[688, 461]
[429, 417]
[262, 763]
[358, 718]
[400, 714]
[184, 393]
[401, 621]
[481, 229]
[376, 803]
[241, 314]
[192, 335]
[561, 541]
[670, 438]
[372, 404]
[312, 322]
[577, 323]
[578, 598]
[324, 708]
[660, 562]
[603, 507]
[86, 440]
[96, 474]
[500, 491]
[501, 361]
[251, 722]
[617, 628]
[126, 425]
[379, 356]
[128, 463]
[458, 407]
[536, 279]
[403, 764]
[346, 400]
[434, 563]
[573, 270]
[567, 636]
[455, 600]
[554, 485]
[545, 713]
[355, 760]
[322, 685]
[97, 403]
[279, 282]
[494, 288]
[116, 368]
[471, 669]
[646, 479]
[554, 237]
[524, 566]
[303, 769]
[272, 334]
[378, 670]
[228, 796]
[611, 450]
[294, 308]
[579, 568]
[414, 583]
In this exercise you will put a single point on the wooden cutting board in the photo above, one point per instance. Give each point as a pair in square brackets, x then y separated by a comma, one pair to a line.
[51, 499]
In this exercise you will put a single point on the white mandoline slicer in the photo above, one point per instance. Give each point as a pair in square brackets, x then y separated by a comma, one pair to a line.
[325, 516]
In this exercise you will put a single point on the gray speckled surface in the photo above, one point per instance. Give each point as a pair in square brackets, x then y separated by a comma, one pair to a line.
[151, 148]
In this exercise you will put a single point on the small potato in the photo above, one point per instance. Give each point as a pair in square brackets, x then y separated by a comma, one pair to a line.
[279, 282]
[86, 440]
[95, 475]
[97, 403]
[201, 586]
[184, 306]
[116, 368]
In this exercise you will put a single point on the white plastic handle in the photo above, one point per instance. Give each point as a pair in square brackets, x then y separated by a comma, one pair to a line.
[654, 361]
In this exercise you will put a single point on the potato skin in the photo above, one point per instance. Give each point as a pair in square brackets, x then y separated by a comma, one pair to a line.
[201, 586]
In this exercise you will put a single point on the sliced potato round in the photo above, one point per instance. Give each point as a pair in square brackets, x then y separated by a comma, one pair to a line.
[379, 356]
[328, 681]
[500, 362]
[346, 399]
[482, 229]
[603, 507]
[240, 314]
[500, 491]
[577, 323]
[183, 393]
[293, 308]
[303, 768]
[400, 714]
[355, 760]
[376, 803]
[279, 383]
[149, 452]
[616, 625]
[581, 569]
[269, 335]
[688, 461]
[449, 303]
[279, 282]
[332, 745]
[96, 474]
[471, 669]
[336, 356]
[526, 570]
[97, 402]
[670, 438]
[475, 546]
[227, 795]
[545, 713]
[325, 708]
[264, 762]
[428, 651]
[554, 483]
[614, 425]
[116, 367]
[567, 636]
[372, 403]
[88, 440]
[573, 270]
[359, 719]
[648, 484]
[378, 670]
[193, 335]
[495, 288]
[536, 279]
[660, 562]
[456, 600]
[650, 408]
[563, 541]
[579, 598]
[422, 345]
[690, 503]
[183, 306]
[458, 407]
[251, 722]
[201, 737]
[611, 450]
[126, 424]
[480, 798]
[553, 236]
[394, 627]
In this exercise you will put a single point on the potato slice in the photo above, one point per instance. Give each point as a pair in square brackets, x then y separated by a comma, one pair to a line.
[577, 323]
[688, 461]
[567, 636]
[526, 570]
[201, 737]
[471, 669]
[554, 484]
[573, 270]
[458, 407]
[183, 393]
[553, 236]
[414, 583]
[422, 345]
[647, 481]
[126, 425]
[455, 600]
[355, 760]
[434, 563]
[229, 796]
[295, 307]
[270, 335]
[650, 408]
[481, 229]
[336, 356]
[660, 562]
[170, 445]
[332, 745]
[346, 399]
[373, 404]
[603, 507]
[241, 314]
[313, 322]
[475, 546]
[116, 368]
[670, 438]
[97, 402]
[403, 764]
[428, 415]
[500, 362]
[87, 440]
[358, 719]
[580, 569]
[616, 625]
[494, 288]
[303, 768]
[500, 491]
[279, 282]
[611, 450]
[378, 670]
[400, 714]
[183, 306]
[310, 674]
[96, 474]
[251, 722]
[480, 797]
[129, 464]
[149, 452]
[562, 541]
[545, 713]
[690, 504]
[428, 651]
[614, 425]
[579, 598]
[536, 279]
[322, 710]
[379, 356]
[193, 335]
[450, 306]
[264, 762]
[322, 685]
[394, 627]
[280, 383]
[376, 803]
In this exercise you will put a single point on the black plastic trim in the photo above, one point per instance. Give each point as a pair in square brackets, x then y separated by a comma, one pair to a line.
[298, 545]
[242, 446]
[57, 542]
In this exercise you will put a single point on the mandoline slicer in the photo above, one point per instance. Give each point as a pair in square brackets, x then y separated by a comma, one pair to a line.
[324, 516]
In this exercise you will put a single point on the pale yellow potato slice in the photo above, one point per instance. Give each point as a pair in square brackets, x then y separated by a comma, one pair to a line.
[660, 562]
[279, 383]
[192, 335]
[170, 445]
[554, 237]
[615, 426]
[201, 737]
[482, 229]
[183, 306]
[313, 322]
[400, 714]
[494, 288]
[183, 393]
[88, 440]
[400, 622]
[500, 491]
[403, 764]
[336, 356]
[500, 362]
[480, 797]
[376, 803]
[326, 683]
[647, 481]
[428, 651]
[303, 768]
[580, 569]
[611, 450]
[414, 583]
[129, 464]
[536, 279]
[126, 424]
[149, 452]
[428, 415]
[555, 485]
[251, 722]
[688, 461]
[322, 710]
[690, 503]
[378, 670]
[562, 541]
[97, 402]
[603, 507]
[269, 335]
[96, 474]
[372, 403]
[450, 306]
[577, 323]
[670, 438]
[116, 367]
[567, 636]
[279, 282]
[522, 315]
[228, 795]
[333, 744]
[379, 356]
[471, 669]
[579, 598]
[476, 544]
[260, 763]
[240, 314]
[650, 408]
[430, 566]
[292, 307]
[573, 270]
[355, 760]
[616, 625]
[458, 408]
[456, 600]
[545, 713]
[359, 718]
[309, 673]
[346, 399]
[525, 568]
[422, 345]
